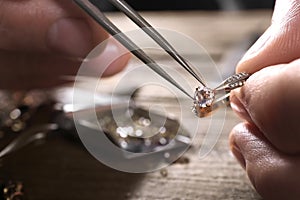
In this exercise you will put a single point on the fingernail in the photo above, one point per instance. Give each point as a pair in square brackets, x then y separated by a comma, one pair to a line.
[122, 57]
[107, 59]
[239, 108]
[238, 155]
[70, 37]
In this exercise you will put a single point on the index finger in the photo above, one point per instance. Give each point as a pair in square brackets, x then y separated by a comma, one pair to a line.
[280, 43]
[49, 26]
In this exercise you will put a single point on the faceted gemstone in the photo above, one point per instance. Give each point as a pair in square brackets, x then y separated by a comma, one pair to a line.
[203, 100]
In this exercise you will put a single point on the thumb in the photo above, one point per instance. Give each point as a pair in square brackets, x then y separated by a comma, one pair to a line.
[280, 43]
[270, 101]
[49, 26]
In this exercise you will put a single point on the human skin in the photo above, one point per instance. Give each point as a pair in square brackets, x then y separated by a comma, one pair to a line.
[266, 144]
[43, 41]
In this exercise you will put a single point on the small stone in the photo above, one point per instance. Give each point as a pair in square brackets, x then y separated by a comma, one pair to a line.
[182, 160]
[162, 130]
[204, 96]
[15, 114]
[17, 126]
[164, 172]
[167, 155]
[203, 100]
[163, 141]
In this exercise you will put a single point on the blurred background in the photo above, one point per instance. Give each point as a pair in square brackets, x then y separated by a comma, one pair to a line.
[194, 5]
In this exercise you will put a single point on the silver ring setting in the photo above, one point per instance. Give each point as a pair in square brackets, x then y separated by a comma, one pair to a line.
[207, 100]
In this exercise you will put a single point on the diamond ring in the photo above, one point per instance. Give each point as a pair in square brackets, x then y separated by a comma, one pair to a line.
[207, 100]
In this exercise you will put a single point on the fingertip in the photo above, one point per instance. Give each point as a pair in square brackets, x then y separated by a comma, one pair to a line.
[235, 149]
[252, 60]
[279, 43]
[117, 54]
[108, 58]
[49, 27]
[70, 37]
[273, 174]
[117, 65]
[270, 96]
[237, 106]
[251, 149]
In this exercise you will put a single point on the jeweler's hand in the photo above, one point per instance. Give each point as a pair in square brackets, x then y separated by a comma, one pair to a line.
[41, 41]
[267, 143]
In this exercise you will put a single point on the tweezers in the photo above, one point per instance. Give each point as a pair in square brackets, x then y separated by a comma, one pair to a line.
[95, 12]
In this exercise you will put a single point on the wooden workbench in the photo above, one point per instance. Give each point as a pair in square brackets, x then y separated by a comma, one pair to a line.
[59, 169]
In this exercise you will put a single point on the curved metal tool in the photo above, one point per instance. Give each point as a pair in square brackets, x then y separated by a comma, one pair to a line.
[32, 134]
[99, 17]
